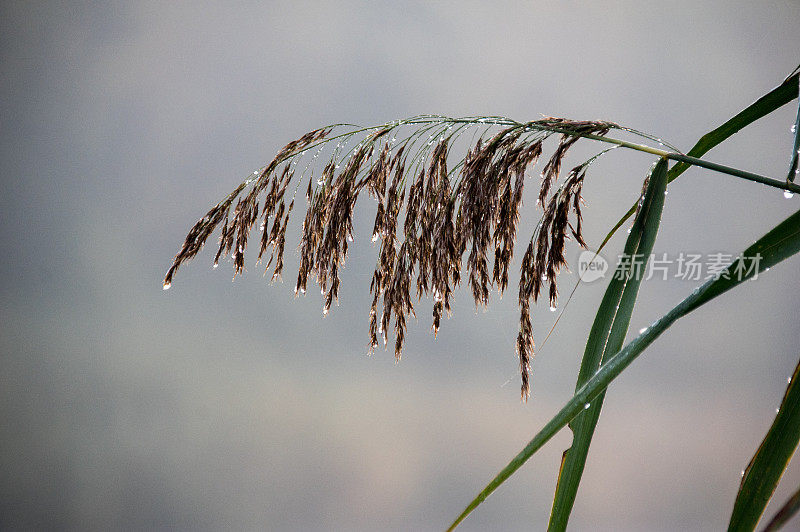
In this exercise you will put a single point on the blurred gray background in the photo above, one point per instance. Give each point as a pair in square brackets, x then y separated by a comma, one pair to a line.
[220, 405]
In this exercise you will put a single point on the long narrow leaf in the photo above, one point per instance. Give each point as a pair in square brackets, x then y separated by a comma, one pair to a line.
[606, 337]
[781, 242]
[786, 512]
[767, 465]
[774, 99]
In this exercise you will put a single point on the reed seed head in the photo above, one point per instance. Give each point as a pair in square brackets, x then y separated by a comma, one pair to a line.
[468, 208]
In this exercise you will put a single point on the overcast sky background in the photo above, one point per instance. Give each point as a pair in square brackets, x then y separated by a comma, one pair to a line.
[220, 405]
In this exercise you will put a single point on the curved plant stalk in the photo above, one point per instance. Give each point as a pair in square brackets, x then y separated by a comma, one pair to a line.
[607, 336]
[774, 99]
[780, 243]
[688, 160]
[769, 462]
[786, 512]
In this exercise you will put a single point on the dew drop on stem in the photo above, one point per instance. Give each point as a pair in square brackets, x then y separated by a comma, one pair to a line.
[787, 194]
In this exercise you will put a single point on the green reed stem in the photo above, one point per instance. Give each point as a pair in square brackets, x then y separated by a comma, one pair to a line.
[750, 176]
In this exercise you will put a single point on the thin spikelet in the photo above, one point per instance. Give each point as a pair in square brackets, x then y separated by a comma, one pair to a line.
[448, 210]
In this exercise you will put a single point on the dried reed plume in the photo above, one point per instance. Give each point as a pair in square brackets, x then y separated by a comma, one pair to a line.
[470, 207]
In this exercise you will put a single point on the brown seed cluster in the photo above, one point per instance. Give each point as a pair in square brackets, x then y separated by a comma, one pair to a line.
[246, 212]
[473, 209]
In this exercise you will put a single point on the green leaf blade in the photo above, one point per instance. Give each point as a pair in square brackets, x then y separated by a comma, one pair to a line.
[769, 462]
[782, 242]
[606, 337]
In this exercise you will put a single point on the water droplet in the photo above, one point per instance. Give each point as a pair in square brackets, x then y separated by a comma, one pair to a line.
[789, 380]
[793, 129]
[325, 311]
[167, 285]
[553, 308]
[642, 330]
[586, 406]
[349, 238]
[666, 192]
[255, 172]
[787, 194]
[544, 277]
[374, 236]
[742, 473]
[777, 410]
[216, 265]
[630, 229]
